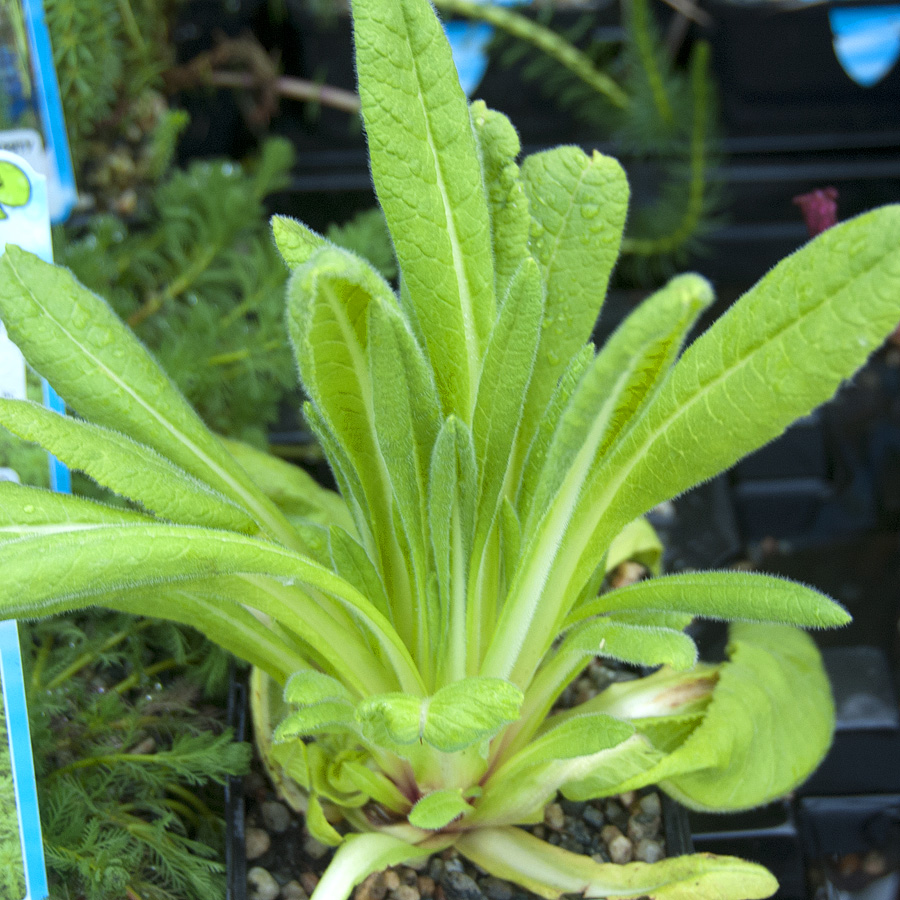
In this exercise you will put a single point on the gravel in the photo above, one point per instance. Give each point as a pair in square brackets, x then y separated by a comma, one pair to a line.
[288, 861]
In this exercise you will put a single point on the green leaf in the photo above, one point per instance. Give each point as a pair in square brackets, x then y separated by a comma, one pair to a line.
[640, 645]
[352, 563]
[540, 444]
[457, 716]
[779, 352]
[503, 385]
[28, 510]
[407, 419]
[744, 596]
[124, 466]
[99, 367]
[499, 147]
[451, 514]
[319, 827]
[75, 566]
[516, 855]
[325, 717]
[578, 206]
[637, 541]
[375, 785]
[579, 747]
[293, 490]
[358, 856]
[308, 687]
[438, 809]
[208, 607]
[768, 726]
[296, 243]
[427, 175]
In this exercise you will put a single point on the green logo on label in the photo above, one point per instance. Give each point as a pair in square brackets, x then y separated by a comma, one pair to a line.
[15, 188]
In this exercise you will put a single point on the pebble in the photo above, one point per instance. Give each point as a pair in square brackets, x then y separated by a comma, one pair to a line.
[373, 888]
[554, 817]
[594, 817]
[391, 880]
[309, 880]
[649, 851]
[293, 890]
[650, 804]
[257, 842]
[314, 849]
[459, 886]
[275, 816]
[495, 889]
[620, 848]
[426, 885]
[261, 885]
[406, 892]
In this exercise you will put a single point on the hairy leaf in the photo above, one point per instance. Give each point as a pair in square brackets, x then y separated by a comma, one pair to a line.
[427, 175]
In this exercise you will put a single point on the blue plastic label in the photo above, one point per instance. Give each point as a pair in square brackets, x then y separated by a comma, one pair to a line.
[469, 42]
[24, 220]
[22, 875]
[866, 41]
[32, 124]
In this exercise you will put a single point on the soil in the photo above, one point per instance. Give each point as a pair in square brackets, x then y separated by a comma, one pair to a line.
[285, 863]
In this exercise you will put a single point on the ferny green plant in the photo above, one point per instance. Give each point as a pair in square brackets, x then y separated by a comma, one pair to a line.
[492, 468]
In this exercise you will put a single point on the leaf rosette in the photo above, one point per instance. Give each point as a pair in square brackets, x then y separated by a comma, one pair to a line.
[412, 634]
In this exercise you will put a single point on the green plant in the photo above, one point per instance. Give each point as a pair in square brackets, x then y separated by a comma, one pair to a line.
[12, 871]
[492, 466]
[630, 91]
[124, 759]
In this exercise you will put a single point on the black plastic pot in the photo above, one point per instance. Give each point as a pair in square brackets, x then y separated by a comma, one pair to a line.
[780, 74]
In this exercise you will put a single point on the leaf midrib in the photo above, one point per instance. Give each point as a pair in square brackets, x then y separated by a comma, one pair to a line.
[250, 501]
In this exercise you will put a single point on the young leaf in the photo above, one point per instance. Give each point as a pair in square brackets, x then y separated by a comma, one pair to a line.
[499, 147]
[325, 717]
[98, 366]
[124, 466]
[452, 719]
[438, 809]
[552, 872]
[451, 514]
[427, 175]
[319, 826]
[578, 206]
[296, 243]
[407, 416]
[308, 687]
[502, 386]
[744, 596]
[352, 563]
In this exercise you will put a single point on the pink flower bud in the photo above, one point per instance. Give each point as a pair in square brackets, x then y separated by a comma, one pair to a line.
[819, 209]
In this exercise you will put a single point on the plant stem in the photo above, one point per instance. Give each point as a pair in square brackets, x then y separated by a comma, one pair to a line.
[546, 40]
[291, 89]
[164, 665]
[90, 656]
[696, 190]
[641, 35]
